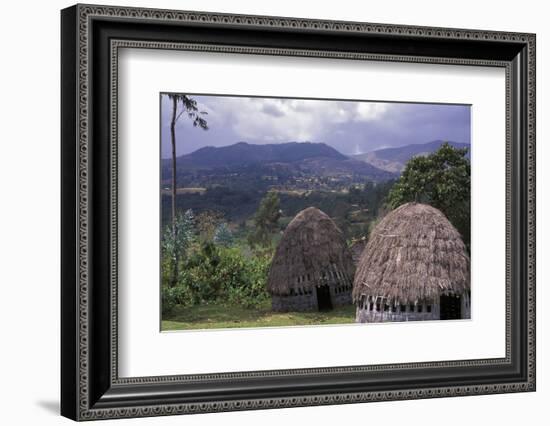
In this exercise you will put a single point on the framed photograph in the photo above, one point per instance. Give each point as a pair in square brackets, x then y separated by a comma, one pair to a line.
[263, 212]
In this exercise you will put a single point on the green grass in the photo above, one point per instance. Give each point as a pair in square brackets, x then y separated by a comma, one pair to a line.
[223, 316]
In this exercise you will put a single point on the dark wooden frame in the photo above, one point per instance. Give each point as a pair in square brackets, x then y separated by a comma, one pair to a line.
[90, 386]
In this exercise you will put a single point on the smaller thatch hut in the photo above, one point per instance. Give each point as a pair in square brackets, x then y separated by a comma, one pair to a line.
[312, 267]
[415, 267]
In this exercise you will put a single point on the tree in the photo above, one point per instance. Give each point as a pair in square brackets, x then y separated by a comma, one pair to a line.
[207, 224]
[266, 220]
[223, 235]
[441, 179]
[174, 244]
[374, 195]
[188, 107]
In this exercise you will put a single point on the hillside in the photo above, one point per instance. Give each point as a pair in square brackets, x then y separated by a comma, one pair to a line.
[394, 159]
[305, 165]
[243, 153]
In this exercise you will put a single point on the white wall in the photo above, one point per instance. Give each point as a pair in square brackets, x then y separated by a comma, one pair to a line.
[29, 225]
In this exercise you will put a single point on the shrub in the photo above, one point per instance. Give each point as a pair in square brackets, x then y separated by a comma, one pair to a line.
[211, 273]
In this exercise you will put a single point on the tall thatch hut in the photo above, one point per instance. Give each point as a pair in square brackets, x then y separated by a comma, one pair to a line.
[312, 267]
[415, 267]
[356, 248]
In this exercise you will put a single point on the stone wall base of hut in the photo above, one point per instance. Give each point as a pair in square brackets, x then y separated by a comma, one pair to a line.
[374, 310]
[308, 302]
[299, 303]
[364, 315]
[341, 296]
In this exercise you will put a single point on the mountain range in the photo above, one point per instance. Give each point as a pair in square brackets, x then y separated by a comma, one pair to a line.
[394, 159]
[243, 153]
[292, 160]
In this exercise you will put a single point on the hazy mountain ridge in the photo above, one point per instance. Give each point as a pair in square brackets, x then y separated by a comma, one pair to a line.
[394, 159]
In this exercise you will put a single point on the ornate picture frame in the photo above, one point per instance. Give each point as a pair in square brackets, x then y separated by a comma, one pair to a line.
[91, 37]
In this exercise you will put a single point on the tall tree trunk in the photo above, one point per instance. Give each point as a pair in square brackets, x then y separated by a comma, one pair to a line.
[174, 190]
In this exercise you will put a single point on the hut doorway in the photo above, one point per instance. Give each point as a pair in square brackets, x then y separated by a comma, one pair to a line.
[323, 298]
[450, 307]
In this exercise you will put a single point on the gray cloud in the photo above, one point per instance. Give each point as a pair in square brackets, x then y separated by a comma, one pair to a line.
[272, 110]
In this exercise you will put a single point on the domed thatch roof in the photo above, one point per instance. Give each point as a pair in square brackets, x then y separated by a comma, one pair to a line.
[312, 249]
[413, 254]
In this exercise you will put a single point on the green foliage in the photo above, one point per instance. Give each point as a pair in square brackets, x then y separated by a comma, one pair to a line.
[266, 220]
[239, 206]
[374, 194]
[177, 238]
[207, 223]
[172, 297]
[211, 273]
[223, 235]
[189, 107]
[364, 203]
[441, 179]
[249, 289]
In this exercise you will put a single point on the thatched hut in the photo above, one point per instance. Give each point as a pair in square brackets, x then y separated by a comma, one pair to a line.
[415, 267]
[312, 267]
[356, 248]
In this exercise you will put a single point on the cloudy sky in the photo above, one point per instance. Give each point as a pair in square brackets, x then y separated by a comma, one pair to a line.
[351, 127]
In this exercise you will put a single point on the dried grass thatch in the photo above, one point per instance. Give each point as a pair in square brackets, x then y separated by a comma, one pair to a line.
[357, 248]
[311, 252]
[413, 254]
